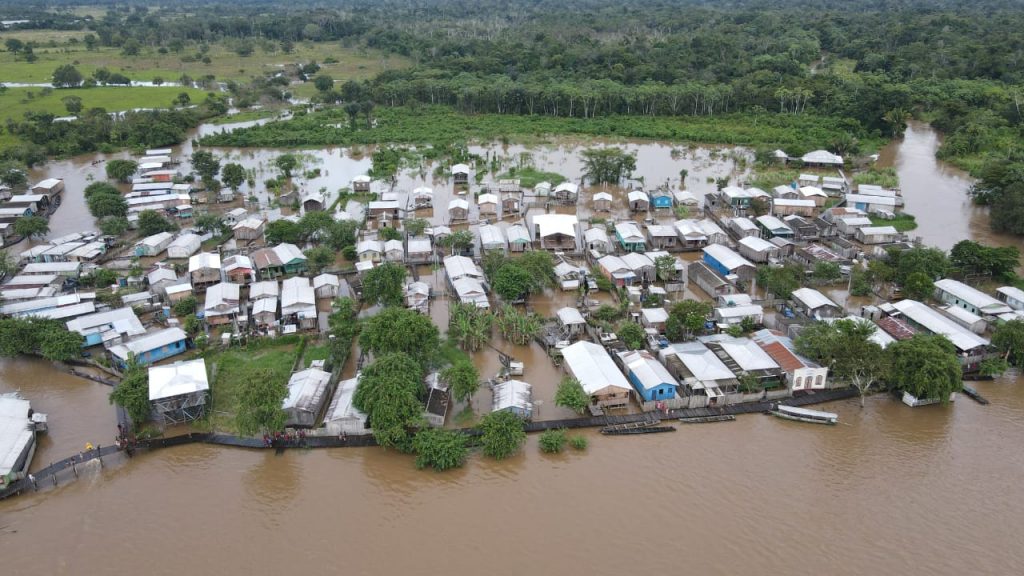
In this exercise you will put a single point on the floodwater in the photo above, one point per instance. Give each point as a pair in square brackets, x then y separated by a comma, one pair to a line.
[936, 193]
[890, 490]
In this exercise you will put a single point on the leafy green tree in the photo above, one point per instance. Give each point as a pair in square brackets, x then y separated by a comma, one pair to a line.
[316, 225]
[132, 393]
[389, 393]
[185, 306]
[502, 434]
[31, 226]
[463, 380]
[415, 226]
[665, 267]
[282, 231]
[541, 267]
[342, 234]
[323, 83]
[632, 335]
[151, 222]
[113, 225]
[1008, 337]
[12, 174]
[192, 324]
[926, 366]
[232, 175]
[512, 282]
[918, 286]
[101, 188]
[931, 262]
[385, 285]
[846, 348]
[101, 278]
[103, 205]
[121, 170]
[686, 318]
[970, 257]
[570, 394]
[259, 405]
[518, 327]
[396, 329]
[205, 164]
[73, 104]
[1007, 213]
[210, 222]
[607, 165]
[286, 163]
[459, 241]
[440, 449]
[827, 271]
[7, 264]
[780, 281]
[66, 76]
[390, 234]
[553, 441]
[319, 258]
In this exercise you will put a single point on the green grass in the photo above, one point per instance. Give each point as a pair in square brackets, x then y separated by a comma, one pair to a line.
[235, 367]
[441, 125]
[884, 177]
[15, 102]
[247, 116]
[530, 176]
[317, 352]
[224, 64]
[903, 222]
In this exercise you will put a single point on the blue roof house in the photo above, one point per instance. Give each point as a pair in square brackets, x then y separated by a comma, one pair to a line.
[661, 199]
[150, 347]
[649, 377]
[725, 261]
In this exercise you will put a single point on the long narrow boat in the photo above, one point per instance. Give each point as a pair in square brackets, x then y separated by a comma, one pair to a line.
[706, 419]
[804, 415]
[612, 431]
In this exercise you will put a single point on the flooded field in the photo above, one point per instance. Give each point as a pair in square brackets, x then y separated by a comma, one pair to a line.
[890, 490]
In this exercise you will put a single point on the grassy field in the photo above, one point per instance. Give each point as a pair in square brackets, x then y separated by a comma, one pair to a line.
[15, 102]
[235, 367]
[903, 222]
[224, 63]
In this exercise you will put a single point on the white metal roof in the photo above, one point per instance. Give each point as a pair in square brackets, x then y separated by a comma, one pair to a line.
[265, 305]
[936, 323]
[49, 183]
[517, 233]
[726, 256]
[394, 246]
[812, 191]
[423, 192]
[649, 372]
[341, 407]
[701, 361]
[51, 267]
[458, 266]
[613, 263]
[661, 231]
[822, 157]
[149, 341]
[123, 317]
[253, 222]
[570, 316]
[326, 280]
[654, 315]
[812, 298]
[185, 377]
[237, 262]
[637, 261]
[470, 291]
[757, 244]
[1012, 292]
[685, 197]
[222, 297]
[878, 231]
[365, 246]
[773, 223]
[458, 203]
[865, 199]
[637, 196]
[570, 187]
[551, 224]
[178, 288]
[958, 313]
[793, 202]
[629, 231]
[15, 431]
[739, 311]
[296, 292]
[603, 196]
[595, 235]
[264, 289]
[593, 367]
[362, 178]
[511, 394]
[203, 261]
[747, 354]
[487, 199]
[306, 390]
[460, 169]
[972, 296]
[491, 236]
[873, 190]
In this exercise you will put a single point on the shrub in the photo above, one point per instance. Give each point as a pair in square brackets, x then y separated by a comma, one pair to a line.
[552, 441]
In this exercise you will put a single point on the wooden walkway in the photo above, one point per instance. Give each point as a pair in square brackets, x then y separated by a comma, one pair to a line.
[65, 469]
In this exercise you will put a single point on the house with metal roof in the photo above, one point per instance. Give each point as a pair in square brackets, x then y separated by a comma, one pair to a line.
[150, 347]
[491, 238]
[238, 269]
[613, 268]
[756, 249]
[394, 251]
[597, 373]
[638, 201]
[630, 237]
[956, 293]
[555, 231]
[458, 209]
[457, 267]
[487, 204]
[773, 227]
[661, 199]
[204, 270]
[814, 304]
[654, 319]
[701, 374]
[822, 158]
[745, 358]
[460, 174]
[800, 207]
[566, 192]
[597, 240]
[518, 238]
[178, 392]
[471, 291]
[662, 237]
[153, 245]
[438, 399]
[109, 327]
[298, 303]
[221, 306]
[742, 226]
[327, 285]
[264, 312]
[513, 396]
[250, 228]
[602, 202]
[570, 321]
[801, 373]
[727, 262]
[1011, 296]
[342, 417]
[872, 204]
[281, 260]
[417, 297]
[877, 235]
[649, 378]
[970, 345]
[420, 250]
[361, 183]
[307, 394]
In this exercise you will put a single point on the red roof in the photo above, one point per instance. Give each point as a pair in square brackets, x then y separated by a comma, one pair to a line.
[782, 356]
[895, 327]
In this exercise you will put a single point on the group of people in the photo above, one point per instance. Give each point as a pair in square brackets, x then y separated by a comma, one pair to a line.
[286, 438]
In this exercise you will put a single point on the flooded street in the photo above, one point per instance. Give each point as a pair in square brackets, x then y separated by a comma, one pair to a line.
[891, 490]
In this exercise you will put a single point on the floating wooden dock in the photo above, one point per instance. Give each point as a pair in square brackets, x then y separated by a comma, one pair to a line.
[629, 427]
[637, 430]
[707, 419]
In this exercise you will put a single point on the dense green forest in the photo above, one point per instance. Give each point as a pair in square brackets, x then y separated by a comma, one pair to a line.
[858, 69]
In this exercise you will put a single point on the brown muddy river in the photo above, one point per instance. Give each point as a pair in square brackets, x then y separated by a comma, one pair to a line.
[890, 490]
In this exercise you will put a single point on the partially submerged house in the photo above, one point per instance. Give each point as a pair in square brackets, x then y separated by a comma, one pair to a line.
[417, 297]
[513, 396]
[555, 231]
[822, 158]
[650, 378]
[518, 238]
[727, 262]
[877, 235]
[757, 250]
[250, 228]
[458, 209]
[342, 417]
[638, 201]
[706, 278]
[361, 183]
[566, 192]
[801, 373]
[178, 392]
[487, 204]
[629, 236]
[814, 304]
[491, 238]
[595, 370]
[968, 298]
[460, 174]
[662, 237]
[307, 394]
[438, 399]
[597, 240]
[602, 202]
[615, 269]
[570, 322]
[108, 327]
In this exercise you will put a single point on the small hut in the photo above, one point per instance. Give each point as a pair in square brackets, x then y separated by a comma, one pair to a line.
[603, 202]
[361, 184]
[460, 174]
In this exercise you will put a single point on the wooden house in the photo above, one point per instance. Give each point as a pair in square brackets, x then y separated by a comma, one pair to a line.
[281, 260]
[264, 312]
[566, 192]
[511, 203]
[204, 270]
[877, 235]
[460, 174]
[221, 306]
[326, 286]
[602, 202]
[638, 201]
[570, 322]
[727, 262]
[800, 207]
[487, 204]
[420, 250]
[394, 251]
[313, 202]
[555, 231]
[417, 297]
[822, 158]
[757, 250]
[491, 238]
[629, 236]
[662, 237]
[361, 184]
[238, 268]
[597, 240]
[249, 229]
[661, 199]
[743, 227]
[422, 197]
[458, 209]
[597, 373]
[814, 304]
[153, 245]
[518, 238]
[370, 251]
[814, 194]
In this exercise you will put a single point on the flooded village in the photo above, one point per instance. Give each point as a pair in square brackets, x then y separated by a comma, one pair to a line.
[621, 254]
